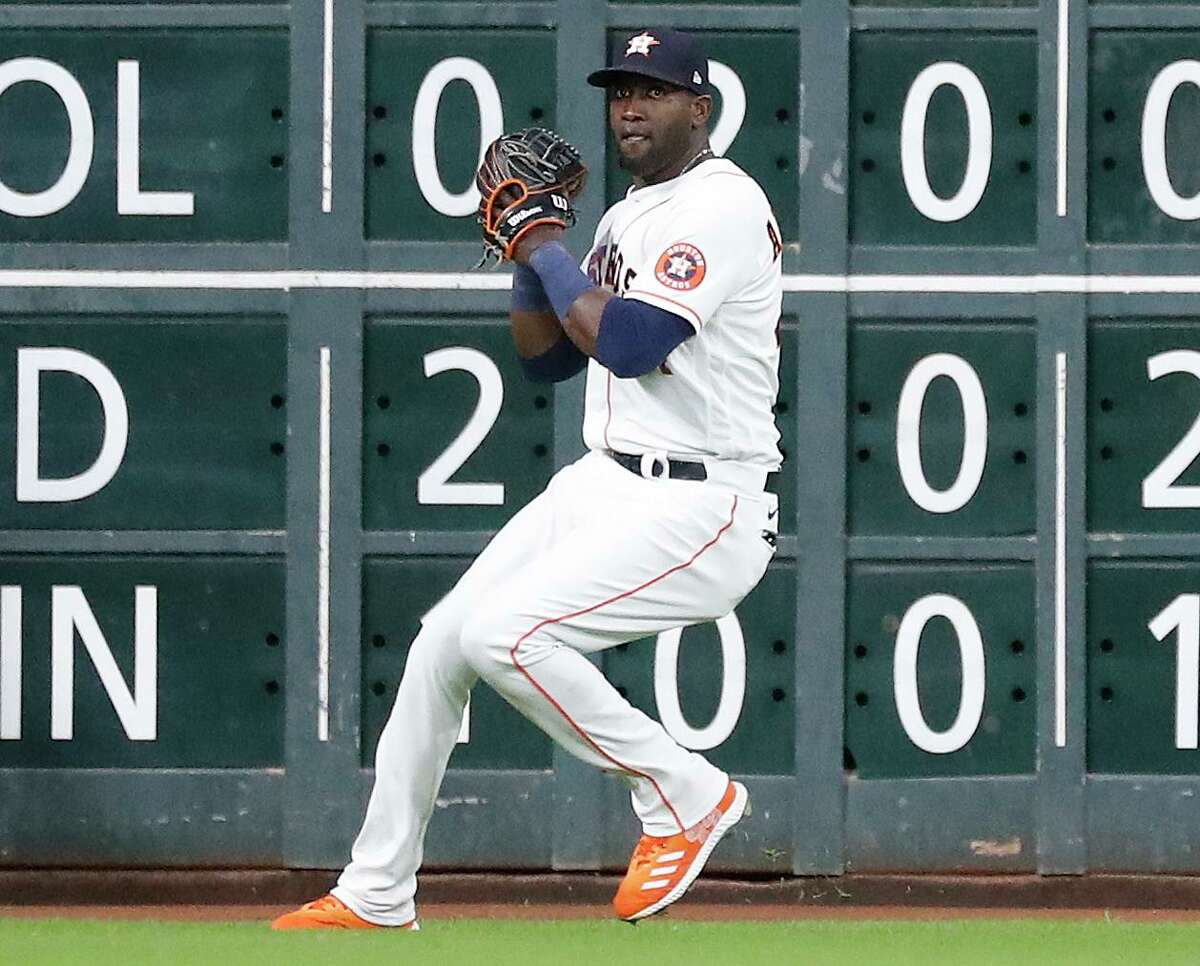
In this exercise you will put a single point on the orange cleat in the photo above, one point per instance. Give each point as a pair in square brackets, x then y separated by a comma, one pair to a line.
[329, 912]
[662, 869]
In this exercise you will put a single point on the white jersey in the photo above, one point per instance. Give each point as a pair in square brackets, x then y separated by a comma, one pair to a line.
[704, 246]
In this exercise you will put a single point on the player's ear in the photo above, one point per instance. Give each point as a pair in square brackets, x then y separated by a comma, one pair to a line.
[702, 108]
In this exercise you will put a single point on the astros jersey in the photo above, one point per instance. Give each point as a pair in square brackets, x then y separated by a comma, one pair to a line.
[704, 246]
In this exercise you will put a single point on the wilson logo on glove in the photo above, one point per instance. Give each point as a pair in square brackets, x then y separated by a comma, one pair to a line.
[522, 216]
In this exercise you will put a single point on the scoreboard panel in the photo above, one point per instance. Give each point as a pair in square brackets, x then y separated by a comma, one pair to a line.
[944, 138]
[940, 677]
[143, 662]
[455, 436]
[435, 99]
[723, 688]
[159, 135]
[1143, 628]
[1144, 401]
[396, 594]
[1144, 113]
[942, 419]
[131, 408]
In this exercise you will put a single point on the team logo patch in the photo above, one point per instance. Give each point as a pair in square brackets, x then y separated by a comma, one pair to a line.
[641, 44]
[681, 267]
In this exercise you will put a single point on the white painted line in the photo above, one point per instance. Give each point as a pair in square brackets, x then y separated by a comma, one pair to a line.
[323, 554]
[285, 281]
[1064, 66]
[275, 281]
[1060, 550]
[995, 284]
[10, 663]
[953, 284]
[327, 113]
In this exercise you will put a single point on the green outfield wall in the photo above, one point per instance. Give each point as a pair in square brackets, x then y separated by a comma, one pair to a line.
[260, 414]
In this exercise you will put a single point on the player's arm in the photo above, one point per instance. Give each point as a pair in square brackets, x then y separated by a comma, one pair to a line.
[525, 180]
[627, 337]
[546, 354]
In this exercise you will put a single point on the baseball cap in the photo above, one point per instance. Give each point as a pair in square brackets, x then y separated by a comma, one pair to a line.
[664, 54]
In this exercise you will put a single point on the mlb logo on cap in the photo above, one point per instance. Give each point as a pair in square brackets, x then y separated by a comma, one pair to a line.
[664, 54]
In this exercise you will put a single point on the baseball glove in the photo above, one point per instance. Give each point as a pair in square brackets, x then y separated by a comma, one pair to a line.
[526, 179]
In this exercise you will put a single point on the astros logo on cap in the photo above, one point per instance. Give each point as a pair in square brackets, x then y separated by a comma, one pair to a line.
[641, 44]
[681, 267]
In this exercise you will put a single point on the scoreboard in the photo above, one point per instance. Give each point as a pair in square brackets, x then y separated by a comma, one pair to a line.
[261, 414]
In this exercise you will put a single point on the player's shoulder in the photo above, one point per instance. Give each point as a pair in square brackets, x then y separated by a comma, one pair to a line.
[727, 175]
[721, 180]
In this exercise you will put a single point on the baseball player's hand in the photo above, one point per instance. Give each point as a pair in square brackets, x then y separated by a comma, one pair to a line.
[526, 182]
[534, 239]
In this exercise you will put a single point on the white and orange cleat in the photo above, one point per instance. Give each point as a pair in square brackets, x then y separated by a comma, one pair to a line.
[329, 912]
[662, 869]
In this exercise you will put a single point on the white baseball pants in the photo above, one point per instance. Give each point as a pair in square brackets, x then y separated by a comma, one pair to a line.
[602, 556]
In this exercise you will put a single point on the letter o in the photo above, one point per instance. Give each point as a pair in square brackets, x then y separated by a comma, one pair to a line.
[1154, 139]
[425, 111]
[733, 687]
[908, 433]
[904, 674]
[82, 141]
[912, 142]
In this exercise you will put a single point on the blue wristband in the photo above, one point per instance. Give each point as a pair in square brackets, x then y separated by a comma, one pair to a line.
[527, 292]
[561, 278]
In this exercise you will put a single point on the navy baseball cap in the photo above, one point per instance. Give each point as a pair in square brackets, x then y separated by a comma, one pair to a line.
[664, 54]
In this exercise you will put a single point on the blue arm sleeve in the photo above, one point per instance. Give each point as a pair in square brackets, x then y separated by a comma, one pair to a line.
[561, 361]
[527, 292]
[635, 338]
[561, 279]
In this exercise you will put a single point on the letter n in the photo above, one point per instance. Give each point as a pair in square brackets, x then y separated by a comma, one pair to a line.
[138, 712]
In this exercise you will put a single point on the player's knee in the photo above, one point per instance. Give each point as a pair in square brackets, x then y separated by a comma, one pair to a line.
[482, 640]
[435, 653]
[498, 624]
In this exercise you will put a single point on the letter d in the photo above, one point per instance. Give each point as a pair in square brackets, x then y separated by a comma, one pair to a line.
[31, 487]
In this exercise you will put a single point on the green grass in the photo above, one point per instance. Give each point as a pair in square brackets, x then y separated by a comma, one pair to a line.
[476, 942]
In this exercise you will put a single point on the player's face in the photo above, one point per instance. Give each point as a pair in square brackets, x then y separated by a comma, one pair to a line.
[653, 123]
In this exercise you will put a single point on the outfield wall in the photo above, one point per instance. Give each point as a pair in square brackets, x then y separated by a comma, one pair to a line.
[261, 415]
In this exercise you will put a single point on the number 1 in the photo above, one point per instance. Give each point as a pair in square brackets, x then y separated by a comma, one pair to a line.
[1183, 613]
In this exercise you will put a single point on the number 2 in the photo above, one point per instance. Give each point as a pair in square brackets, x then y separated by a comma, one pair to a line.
[433, 485]
[1159, 489]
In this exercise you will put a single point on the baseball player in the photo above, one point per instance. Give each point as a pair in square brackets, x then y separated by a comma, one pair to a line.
[665, 522]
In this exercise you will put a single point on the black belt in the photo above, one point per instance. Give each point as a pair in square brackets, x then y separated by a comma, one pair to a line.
[658, 467]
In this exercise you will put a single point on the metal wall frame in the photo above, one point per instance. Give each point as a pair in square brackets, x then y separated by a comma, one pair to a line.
[306, 815]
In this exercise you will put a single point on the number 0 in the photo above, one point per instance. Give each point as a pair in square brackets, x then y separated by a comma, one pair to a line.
[1154, 139]
[904, 674]
[733, 687]
[425, 111]
[908, 433]
[912, 142]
